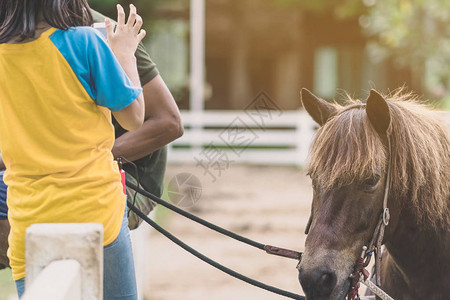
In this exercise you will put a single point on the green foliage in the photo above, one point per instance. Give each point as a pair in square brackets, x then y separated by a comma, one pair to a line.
[413, 28]
[416, 34]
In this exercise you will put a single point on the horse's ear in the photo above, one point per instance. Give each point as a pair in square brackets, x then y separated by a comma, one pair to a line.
[377, 110]
[320, 110]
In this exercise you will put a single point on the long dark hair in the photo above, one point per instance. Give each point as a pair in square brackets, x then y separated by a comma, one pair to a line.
[18, 18]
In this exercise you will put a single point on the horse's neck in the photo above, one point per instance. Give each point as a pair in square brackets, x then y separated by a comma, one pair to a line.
[419, 249]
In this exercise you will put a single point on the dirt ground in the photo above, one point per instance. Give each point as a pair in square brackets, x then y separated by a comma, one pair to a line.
[268, 204]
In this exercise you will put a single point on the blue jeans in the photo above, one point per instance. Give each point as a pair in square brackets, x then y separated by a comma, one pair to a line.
[119, 279]
[3, 206]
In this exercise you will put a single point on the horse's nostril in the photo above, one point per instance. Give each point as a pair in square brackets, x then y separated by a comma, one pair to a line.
[325, 284]
[318, 282]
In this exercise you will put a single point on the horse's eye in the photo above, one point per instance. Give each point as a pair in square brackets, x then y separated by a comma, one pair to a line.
[312, 179]
[371, 182]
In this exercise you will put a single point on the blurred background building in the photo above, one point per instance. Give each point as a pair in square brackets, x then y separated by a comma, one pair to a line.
[280, 46]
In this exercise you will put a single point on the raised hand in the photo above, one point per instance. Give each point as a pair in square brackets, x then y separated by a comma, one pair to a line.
[127, 35]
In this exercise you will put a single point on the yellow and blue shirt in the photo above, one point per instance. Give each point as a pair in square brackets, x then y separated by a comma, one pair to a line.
[56, 136]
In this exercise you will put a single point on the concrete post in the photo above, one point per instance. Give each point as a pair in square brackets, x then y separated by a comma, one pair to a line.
[81, 242]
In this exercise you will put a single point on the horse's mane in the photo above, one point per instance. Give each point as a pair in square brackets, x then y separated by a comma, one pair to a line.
[347, 149]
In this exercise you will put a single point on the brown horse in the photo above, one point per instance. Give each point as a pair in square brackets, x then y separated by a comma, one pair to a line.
[392, 146]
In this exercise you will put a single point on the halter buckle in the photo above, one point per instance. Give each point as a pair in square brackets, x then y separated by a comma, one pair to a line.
[386, 216]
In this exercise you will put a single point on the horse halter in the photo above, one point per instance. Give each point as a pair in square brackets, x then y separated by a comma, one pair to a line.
[377, 238]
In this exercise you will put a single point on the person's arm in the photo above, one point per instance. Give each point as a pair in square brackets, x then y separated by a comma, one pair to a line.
[123, 42]
[162, 124]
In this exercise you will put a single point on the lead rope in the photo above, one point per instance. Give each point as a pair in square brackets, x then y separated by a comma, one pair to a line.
[375, 289]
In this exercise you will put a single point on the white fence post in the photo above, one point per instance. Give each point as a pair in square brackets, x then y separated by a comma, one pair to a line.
[83, 243]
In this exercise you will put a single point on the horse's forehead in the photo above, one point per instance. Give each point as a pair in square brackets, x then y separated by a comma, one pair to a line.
[347, 149]
[353, 106]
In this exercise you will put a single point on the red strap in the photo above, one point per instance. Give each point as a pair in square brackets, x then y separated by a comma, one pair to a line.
[122, 175]
[359, 269]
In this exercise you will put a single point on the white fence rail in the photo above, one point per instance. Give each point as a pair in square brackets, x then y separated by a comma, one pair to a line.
[255, 137]
[60, 280]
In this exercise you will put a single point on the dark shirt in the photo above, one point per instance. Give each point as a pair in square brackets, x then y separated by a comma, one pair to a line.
[151, 168]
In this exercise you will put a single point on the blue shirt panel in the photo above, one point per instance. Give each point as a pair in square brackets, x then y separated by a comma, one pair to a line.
[95, 65]
[3, 206]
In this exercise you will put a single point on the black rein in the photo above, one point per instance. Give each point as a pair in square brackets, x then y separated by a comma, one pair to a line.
[267, 248]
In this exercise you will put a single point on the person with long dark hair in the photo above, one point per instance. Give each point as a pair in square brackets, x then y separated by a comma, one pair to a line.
[60, 83]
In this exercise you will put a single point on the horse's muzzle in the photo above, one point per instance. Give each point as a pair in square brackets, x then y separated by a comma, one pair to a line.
[318, 283]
